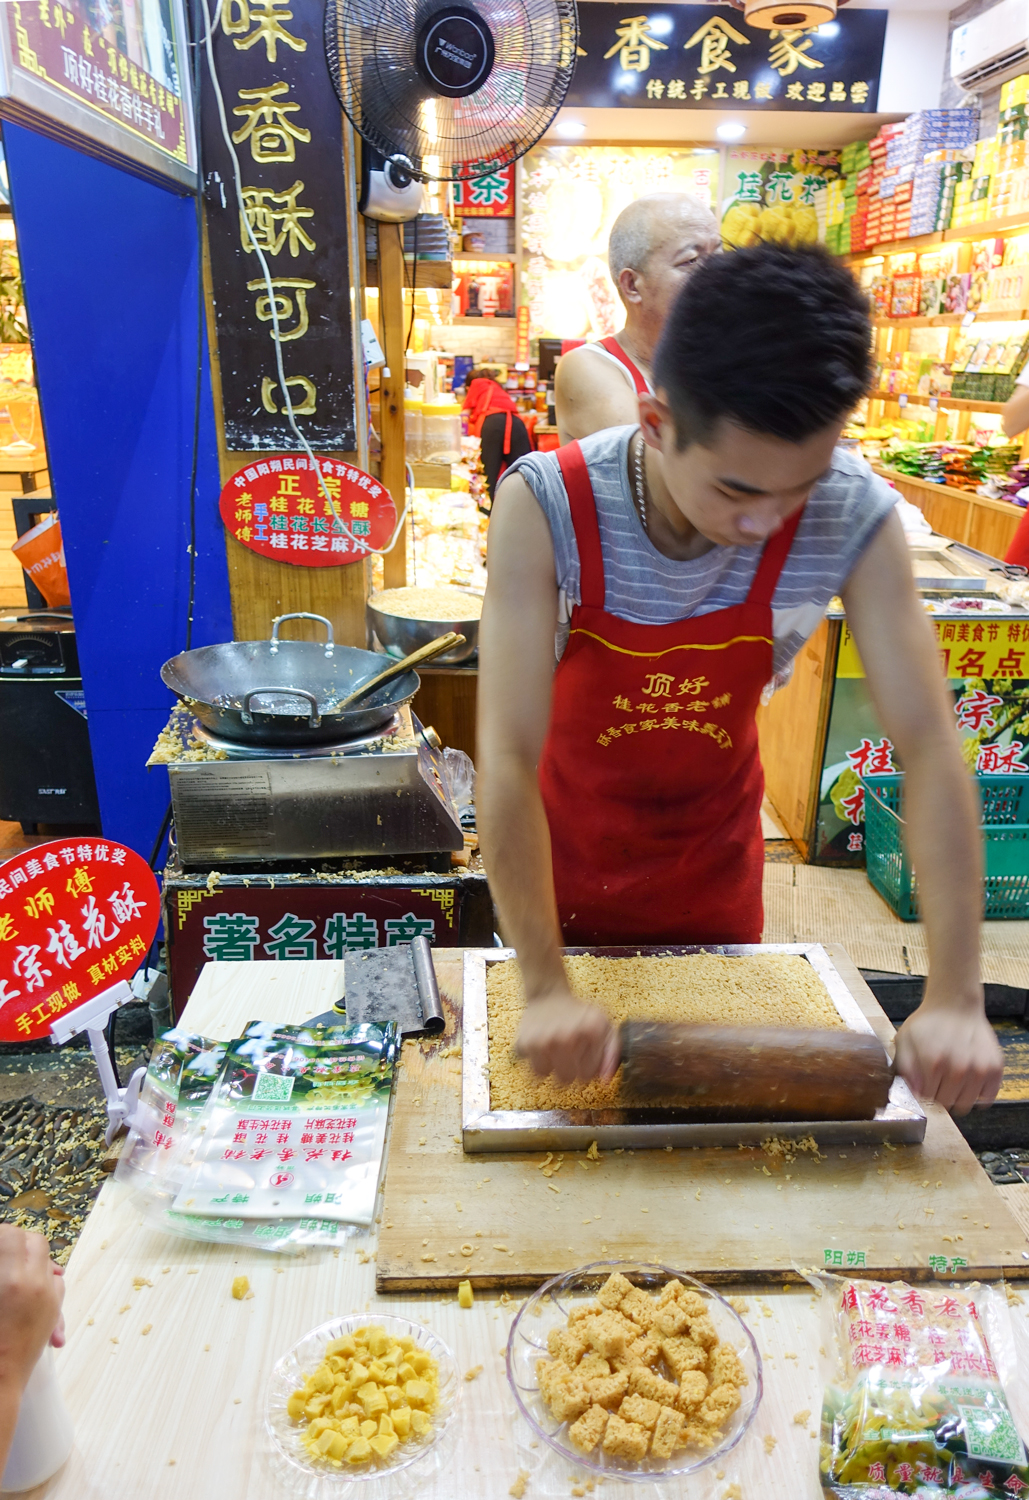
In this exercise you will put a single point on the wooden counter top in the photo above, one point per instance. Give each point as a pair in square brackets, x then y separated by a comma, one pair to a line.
[165, 1381]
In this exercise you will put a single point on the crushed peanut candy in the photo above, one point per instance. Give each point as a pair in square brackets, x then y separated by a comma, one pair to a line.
[473, 1372]
[370, 1395]
[518, 1488]
[769, 1442]
[767, 989]
[240, 1287]
[782, 1149]
[801, 1418]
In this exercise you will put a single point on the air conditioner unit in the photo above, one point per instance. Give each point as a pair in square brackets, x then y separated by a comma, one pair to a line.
[992, 47]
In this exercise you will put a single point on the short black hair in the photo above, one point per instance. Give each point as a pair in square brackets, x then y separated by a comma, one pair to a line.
[774, 339]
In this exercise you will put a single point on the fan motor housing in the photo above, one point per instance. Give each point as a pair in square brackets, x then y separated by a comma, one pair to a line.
[389, 194]
[454, 51]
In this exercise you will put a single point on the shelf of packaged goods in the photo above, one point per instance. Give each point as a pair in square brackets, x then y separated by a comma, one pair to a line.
[504, 257]
[504, 320]
[438, 274]
[985, 229]
[943, 403]
[987, 525]
[954, 320]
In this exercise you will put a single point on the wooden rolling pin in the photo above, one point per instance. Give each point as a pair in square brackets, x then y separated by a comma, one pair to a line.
[757, 1073]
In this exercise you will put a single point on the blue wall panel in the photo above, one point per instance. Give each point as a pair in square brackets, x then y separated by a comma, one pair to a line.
[110, 265]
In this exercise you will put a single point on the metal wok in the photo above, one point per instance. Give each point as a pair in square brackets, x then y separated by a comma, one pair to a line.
[285, 692]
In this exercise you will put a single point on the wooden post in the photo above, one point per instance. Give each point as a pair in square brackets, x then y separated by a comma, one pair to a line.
[391, 391]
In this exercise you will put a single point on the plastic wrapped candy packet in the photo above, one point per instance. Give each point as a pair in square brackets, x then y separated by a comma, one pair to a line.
[181, 1073]
[293, 1133]
[917, 1405]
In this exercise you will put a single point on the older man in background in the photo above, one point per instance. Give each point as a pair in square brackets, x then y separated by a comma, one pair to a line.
[655, 243]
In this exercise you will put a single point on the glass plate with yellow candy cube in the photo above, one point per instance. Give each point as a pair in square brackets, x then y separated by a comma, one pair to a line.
[360, 1402]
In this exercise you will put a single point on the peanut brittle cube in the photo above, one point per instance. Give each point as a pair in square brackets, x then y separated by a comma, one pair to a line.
[644, 1382]
[682, 1355]
[638, 1306]
[693, 1387]
[591, 1365]
[625, 1439]
[670, 1320]
[606, 1334]
[639, 1409]
[568, 1399]
[703, 1332]
[667, 1432]
[726, 1366]
[718, 1405]
[614, 1289]
[586, 1433]
[608, 1390]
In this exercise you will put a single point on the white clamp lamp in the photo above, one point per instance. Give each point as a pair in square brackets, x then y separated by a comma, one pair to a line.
[92, 1017]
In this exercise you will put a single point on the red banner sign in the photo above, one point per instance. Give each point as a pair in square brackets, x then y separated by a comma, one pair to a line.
[489, 197]
[278, 508]
[75, 917]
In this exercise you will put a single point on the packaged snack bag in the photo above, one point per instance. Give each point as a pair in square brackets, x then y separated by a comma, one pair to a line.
[917, 1405]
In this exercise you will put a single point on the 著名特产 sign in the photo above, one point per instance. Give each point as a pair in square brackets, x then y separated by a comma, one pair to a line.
[283, 508]
[285, 123]
[707, 57]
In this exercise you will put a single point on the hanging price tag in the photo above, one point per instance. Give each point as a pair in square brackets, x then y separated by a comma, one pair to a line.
[75, 917]
[933, 403]
[902, 399]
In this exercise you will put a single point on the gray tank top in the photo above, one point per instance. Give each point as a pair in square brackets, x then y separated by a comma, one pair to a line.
[842, 515]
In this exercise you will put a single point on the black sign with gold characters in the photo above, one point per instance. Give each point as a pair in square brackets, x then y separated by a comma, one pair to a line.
[285, 124]
[707, 57]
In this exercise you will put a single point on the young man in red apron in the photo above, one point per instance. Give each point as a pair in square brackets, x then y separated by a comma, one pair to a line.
[655, 243]
[619, 795]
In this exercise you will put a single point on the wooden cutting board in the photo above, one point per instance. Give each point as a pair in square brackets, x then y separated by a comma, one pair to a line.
[724, 1215]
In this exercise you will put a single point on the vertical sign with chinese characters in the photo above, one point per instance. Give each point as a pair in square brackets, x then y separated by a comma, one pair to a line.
[286, 127]
[707, 57]
[75, 917]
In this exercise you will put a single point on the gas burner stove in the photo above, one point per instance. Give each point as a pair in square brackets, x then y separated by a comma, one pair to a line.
[376, 797]
[398, 734]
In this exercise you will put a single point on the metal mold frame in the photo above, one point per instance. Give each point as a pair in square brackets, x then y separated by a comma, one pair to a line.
[486, 1130]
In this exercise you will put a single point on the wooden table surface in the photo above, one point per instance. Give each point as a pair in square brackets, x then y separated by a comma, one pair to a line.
[165, 1382]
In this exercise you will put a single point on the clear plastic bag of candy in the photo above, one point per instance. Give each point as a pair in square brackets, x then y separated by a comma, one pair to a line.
[917, 1402]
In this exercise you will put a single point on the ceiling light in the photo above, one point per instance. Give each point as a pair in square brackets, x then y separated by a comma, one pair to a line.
[570, 128]
[731, 130]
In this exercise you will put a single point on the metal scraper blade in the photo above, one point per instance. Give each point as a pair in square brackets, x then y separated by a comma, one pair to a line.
[390, 984]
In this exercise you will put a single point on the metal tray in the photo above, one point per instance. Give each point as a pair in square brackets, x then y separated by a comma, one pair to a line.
[485, 1130]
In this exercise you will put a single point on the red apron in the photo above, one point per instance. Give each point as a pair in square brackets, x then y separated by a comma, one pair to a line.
[639, 379]
[650, 774]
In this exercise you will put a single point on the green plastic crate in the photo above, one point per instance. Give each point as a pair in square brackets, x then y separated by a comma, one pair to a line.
[1005, 830]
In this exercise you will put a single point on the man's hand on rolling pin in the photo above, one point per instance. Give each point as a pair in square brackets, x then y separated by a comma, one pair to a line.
[31, 1293]
[950, 1056]
[562, 1035]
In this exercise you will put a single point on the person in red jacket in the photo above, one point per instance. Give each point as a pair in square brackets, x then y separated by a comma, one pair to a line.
[493, 418]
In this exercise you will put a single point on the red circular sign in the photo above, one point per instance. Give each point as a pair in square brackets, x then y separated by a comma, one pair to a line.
[76, 916]
[278, 507]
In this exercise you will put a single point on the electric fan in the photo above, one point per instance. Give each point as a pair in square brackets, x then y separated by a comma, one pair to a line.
[445, 91]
